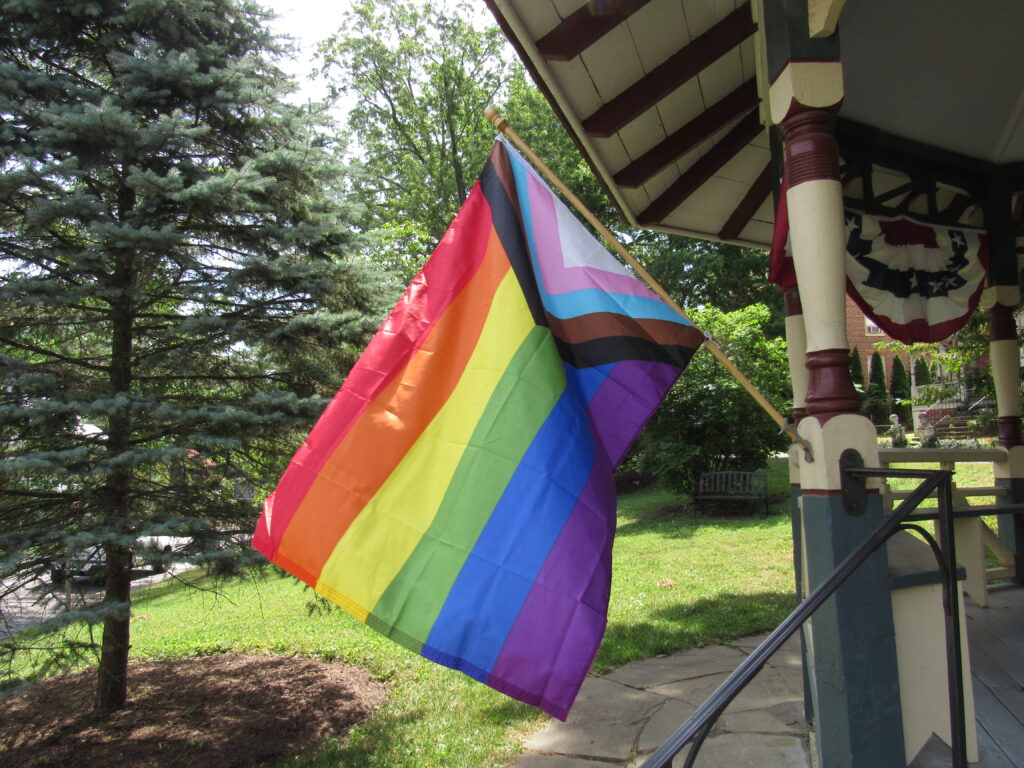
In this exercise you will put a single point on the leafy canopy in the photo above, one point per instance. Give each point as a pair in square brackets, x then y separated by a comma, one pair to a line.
[708, 422]
[421, 75]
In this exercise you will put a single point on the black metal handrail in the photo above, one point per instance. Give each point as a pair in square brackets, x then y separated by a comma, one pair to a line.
[700, 723]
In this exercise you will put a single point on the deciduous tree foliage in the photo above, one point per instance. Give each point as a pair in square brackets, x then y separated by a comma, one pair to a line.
[708, 421]
[420, 76]
[177, 301]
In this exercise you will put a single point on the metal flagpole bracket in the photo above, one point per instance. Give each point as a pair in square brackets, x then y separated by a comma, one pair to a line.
[853, 486]
[790, 430]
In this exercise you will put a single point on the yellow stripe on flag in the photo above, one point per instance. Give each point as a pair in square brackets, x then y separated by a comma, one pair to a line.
[386, 532]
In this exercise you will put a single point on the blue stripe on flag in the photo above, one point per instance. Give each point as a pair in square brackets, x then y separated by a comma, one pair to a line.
[500, 571]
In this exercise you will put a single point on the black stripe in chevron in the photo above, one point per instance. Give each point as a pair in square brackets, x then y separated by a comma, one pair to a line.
[616, 349]
[498, 185]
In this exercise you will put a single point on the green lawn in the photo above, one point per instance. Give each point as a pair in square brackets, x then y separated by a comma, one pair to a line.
[679, 582]
[969, 474]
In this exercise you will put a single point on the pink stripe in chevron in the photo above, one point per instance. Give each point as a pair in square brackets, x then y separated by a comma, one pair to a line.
[564, 247]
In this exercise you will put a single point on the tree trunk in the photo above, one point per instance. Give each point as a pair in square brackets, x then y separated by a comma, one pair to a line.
[112, 682]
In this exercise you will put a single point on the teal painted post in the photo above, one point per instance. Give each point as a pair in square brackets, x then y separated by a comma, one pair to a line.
[855, 682]
[798, 571]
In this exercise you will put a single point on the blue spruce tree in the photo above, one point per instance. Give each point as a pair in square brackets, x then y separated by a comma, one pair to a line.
[178, 288]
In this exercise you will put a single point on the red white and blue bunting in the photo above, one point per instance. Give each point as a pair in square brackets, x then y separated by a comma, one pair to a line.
[917, 282]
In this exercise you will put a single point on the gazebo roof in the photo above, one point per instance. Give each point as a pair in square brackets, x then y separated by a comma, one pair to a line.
[667, 100]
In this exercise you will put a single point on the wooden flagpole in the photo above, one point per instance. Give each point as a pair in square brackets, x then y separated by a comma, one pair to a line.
[492, 114]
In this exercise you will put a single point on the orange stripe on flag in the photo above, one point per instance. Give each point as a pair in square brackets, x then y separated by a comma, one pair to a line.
[393, 422]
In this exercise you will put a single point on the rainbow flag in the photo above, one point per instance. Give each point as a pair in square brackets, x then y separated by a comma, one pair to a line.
[457, 493]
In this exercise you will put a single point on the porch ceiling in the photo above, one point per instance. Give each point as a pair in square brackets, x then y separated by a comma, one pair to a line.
[664, 99]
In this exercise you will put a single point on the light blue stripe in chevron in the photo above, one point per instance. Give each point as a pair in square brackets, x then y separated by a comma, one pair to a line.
[568, 305]
[519, 172]
[588, 301]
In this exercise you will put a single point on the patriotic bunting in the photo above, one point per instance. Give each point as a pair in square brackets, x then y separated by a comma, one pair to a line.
[917, 282]
[457, 494]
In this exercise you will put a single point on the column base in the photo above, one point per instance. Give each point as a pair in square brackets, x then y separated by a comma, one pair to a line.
[830, 389]
[1009, 431]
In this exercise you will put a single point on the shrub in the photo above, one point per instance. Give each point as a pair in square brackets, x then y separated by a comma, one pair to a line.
[708, 421]
[876, 398]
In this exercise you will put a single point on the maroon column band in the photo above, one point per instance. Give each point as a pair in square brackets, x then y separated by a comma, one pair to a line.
[830, 389]
[1000, 323]
[811, 152]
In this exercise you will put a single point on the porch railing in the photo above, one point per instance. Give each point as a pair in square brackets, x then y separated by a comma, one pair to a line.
[697, 728]
[948, 458]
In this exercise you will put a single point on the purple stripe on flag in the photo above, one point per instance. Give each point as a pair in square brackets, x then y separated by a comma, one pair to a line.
[563, 617]
[549, 239]
[625, 401]
[562, 620]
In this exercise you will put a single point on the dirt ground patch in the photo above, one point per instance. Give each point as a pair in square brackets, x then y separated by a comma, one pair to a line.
[212, 711]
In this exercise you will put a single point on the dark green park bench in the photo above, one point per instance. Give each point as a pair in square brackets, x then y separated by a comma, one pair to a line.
[732, 485]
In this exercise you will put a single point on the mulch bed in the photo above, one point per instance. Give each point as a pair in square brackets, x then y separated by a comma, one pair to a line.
[212, 711]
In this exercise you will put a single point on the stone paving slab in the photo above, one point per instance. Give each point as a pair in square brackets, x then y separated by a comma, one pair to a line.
[663, 724]
[750, 750]
[622, 717]
[605, 722]
[679, 666]
[549, 761]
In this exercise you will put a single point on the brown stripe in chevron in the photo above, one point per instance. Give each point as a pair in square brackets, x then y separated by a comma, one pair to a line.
[603, 324]
[503, 171]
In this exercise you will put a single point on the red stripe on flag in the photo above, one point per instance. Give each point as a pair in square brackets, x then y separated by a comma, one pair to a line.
[455, 261]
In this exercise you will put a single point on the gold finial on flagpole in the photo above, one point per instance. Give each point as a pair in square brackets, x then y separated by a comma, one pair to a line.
[494, 116]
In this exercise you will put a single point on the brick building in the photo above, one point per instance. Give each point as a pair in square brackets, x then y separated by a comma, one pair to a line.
[863, 335]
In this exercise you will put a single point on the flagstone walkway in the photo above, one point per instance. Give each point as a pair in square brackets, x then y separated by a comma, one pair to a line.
[621, 717]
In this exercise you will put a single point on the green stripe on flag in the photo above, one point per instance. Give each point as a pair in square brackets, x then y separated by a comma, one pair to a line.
[525, 395]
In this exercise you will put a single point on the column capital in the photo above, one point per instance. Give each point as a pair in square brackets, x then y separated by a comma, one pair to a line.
[1007, 295]
[805, 85]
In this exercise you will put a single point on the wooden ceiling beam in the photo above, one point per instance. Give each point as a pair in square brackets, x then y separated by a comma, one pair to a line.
[744, 212]
[898, 191]
[956, 208]
[672, 73]
[585, 26]
[857, 141]
[745, 131]
[705, 125]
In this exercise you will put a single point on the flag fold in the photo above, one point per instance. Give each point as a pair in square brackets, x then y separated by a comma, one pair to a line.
[457, 494]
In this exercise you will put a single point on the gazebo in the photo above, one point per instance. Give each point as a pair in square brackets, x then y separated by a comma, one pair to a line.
[691, 113]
